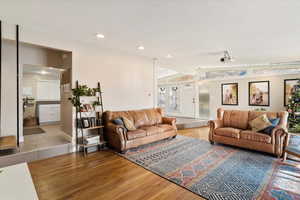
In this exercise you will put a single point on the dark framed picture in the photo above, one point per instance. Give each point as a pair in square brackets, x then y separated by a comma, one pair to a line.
[85, 122]
[259, 93]
[289, 88]
[230, 94]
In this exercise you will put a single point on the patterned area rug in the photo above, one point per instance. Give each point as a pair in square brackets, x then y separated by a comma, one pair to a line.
[218, 171]
[294, 146]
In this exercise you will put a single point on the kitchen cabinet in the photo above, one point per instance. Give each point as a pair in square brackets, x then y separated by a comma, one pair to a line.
[49, 113]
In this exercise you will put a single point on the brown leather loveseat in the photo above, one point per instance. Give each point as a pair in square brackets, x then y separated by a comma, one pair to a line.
[232, 128]
[150, 123]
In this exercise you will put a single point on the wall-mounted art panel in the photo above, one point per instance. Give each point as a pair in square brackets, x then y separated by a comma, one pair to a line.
[230, 94]
[259, 93]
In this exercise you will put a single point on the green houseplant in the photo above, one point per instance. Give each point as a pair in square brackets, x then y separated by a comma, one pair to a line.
[293, 109]
[97, 106]
[81, 90]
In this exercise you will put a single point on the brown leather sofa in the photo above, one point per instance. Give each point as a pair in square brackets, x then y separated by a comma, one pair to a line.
[232, 128]
[150, 123]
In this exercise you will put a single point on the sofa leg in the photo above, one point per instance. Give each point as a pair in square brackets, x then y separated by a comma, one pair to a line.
[123, 152]
[284, 156]
[212, 142]
[279, 156]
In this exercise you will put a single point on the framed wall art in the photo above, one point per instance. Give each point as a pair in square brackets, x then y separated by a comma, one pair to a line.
[230, 94]
[259, 93]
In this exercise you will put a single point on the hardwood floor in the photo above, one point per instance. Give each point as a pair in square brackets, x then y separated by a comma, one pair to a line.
[104, 175]
[200, 133]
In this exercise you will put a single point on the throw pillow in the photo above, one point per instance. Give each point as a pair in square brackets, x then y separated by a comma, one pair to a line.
[128, 124]
[274, 123]
[260, 123]
[118, 121]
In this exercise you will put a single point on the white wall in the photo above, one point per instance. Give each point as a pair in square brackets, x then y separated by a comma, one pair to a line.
[127, 80]
[276, 93]
[9, 90]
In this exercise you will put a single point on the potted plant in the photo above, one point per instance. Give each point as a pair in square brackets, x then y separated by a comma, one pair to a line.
[97, 106]
[81, 90]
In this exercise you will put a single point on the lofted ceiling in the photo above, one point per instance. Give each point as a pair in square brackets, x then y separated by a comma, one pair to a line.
[194, 32]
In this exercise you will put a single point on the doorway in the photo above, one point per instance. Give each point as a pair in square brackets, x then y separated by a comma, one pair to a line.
[45, 87]
[204, 102]
[188, 100]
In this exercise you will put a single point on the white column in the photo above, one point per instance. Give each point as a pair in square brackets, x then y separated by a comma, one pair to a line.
[196, 86]
[155, 77]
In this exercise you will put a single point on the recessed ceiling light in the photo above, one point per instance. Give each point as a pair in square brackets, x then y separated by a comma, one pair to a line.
[141, 47]
[169, 56]
[99, 35]
[43, 72]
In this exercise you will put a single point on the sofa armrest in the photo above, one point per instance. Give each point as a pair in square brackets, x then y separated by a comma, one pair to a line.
[116, 135]
[281, 127]
[169, 120]
[280, 139]
[115, 128]
[213, 124]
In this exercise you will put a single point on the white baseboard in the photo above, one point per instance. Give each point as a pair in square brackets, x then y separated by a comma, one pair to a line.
[69, 138]
[21, 138]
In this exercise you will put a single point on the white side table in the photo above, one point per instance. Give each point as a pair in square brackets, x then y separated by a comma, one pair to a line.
[16, 183]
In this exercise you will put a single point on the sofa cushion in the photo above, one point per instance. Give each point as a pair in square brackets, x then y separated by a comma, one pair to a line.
[154, 116]
[128, 124]
[228, 132]
[139, 117]
[151, 130]
[145, 117]
[255, 114]
[255, 136]
[260, 123]
[109, 115]
[236, 119]
[269, 129]
[165, 127]
[138, 133]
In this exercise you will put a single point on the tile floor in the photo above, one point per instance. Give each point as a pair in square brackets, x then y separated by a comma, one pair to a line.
[53, 136]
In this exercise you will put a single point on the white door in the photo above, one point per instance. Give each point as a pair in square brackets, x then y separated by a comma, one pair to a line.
[188, 101]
